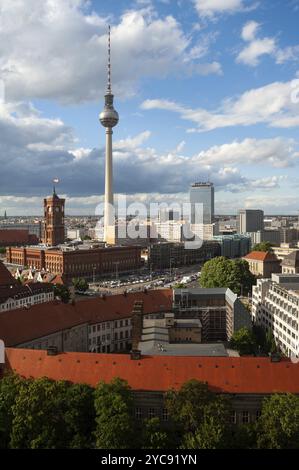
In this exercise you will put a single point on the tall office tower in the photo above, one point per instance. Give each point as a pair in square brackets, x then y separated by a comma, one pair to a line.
[250, 220]
[109, 119]
[54, 233]
[202, 193]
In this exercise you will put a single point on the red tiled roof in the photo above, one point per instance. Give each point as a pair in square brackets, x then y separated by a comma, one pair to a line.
[23, 325]
[261, 256]
[14, 236]
[160, 373]
[6, 279]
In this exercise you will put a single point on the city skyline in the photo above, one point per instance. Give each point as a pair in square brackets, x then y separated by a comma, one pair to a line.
[204, 93]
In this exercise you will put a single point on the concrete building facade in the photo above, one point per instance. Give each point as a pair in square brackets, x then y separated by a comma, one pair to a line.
[275, 307]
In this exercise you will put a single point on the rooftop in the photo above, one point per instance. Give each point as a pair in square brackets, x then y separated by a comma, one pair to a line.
[261, 256]
[24, 325]
[160, 373]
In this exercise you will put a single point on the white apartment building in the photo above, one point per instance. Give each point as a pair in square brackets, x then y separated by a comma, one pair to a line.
[25, 296]
[275, 306]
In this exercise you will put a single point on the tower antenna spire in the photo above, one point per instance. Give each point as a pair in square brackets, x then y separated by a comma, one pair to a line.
[109, 61]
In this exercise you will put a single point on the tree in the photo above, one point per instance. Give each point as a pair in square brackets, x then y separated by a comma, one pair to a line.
[278, 425]
[9, 389]
[38, 415]
[2, 250]
[80, 284]
[79, 416]
[114, 421]
[223, 272]
[213, 432]
[62, 293]
[263, 246]
[153, 435]
[199, 415]
[244, 342]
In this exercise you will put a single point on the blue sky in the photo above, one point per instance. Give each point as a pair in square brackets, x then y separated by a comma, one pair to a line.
[205, 89]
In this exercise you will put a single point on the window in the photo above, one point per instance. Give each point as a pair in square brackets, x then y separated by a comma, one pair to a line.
[138, 413]
[233, 418]
[115, 336]
[245, 417]
[165, 414]
[151, 412]
[258, 414]
[121, 323]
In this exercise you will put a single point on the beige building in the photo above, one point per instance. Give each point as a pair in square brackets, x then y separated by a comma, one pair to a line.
[290, 264]
[262, 263]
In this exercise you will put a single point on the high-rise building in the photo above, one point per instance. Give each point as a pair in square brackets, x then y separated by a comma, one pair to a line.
[54, 233]
[202, 193]
[275, 307]
[109, 119]
[250, 220]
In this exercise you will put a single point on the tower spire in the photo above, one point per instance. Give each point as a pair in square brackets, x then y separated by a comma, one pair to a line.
[109, 62]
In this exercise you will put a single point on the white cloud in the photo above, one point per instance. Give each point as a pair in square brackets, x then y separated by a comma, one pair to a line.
[250, 55]
[57, 49]
[208, 8]
[249, 30]
[271, 104]
[258, 47]
[277, 153]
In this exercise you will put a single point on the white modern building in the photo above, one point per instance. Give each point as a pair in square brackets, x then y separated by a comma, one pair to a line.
[275, 306]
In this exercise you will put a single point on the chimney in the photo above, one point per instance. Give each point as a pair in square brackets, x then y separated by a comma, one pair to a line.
[137, 324]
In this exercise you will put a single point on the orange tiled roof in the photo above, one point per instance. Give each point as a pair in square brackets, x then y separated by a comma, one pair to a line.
[23, 325]
[159, 373]
[261, 256]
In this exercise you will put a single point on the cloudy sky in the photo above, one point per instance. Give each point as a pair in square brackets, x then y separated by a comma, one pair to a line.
[205, 89]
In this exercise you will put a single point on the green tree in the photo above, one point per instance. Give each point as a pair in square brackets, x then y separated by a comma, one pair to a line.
[153, 435]
[79, 416]
[114, 421]
[244, 342]
[263, 246]
[62, 292]
[38, 415]
[80, 284]
[223, 272]
[2, 250]
[278, 425]
[199, 415]
[9, 389]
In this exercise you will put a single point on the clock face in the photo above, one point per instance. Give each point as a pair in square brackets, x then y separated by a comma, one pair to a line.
[57, 209]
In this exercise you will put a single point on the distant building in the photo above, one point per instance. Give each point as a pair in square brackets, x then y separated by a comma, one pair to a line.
[171, 231]
[233, 246]
[262, 263]
[275, 307]
[250, 221]
[202, 193]
[32, 229]
[290, 264]
[170, 255]
[14, 295]
[16, 237]
[205, 231]
[219, 310]
[54, 232]
[272, 236]
[86, 262]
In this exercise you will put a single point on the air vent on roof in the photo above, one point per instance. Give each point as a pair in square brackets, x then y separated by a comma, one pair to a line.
[52, 351]
[135, 355]
[275, 358]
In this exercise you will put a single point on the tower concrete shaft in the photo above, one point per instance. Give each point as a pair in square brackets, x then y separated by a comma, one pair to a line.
[109, 119]
[109, 219]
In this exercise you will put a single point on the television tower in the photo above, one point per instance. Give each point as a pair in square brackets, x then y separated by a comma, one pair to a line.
[109, 119]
